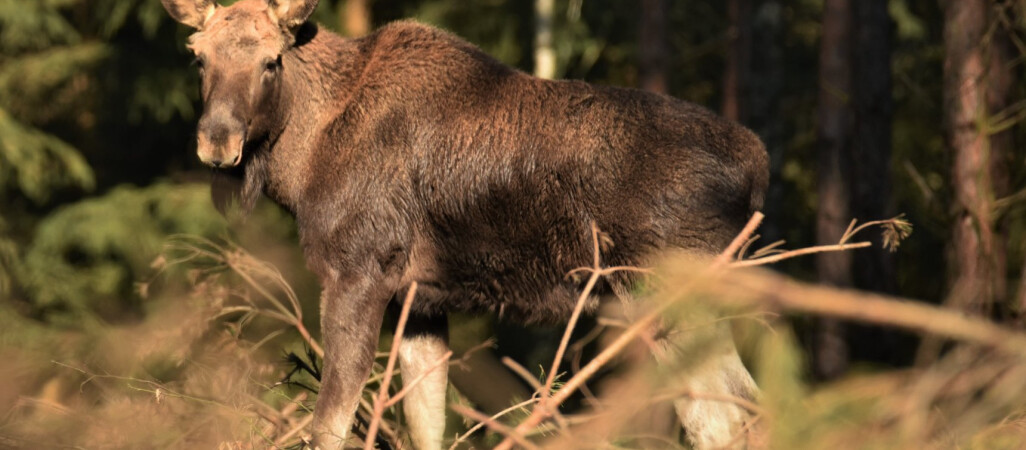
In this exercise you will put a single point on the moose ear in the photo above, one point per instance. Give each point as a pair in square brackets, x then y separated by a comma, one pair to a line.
[290, 14]
[193, 13]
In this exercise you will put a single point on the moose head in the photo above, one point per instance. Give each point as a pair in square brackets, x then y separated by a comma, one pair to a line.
[239, 57]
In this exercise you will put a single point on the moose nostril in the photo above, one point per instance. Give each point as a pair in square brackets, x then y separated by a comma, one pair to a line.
[236, 160]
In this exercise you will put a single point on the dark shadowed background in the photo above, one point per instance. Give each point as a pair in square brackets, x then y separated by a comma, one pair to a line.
[869, 109]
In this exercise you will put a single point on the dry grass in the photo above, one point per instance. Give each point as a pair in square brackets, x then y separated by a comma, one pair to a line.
[211, 373]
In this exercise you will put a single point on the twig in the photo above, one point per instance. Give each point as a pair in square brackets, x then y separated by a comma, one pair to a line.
[510, 434]
[523, 373]
[493, 418]
[575, 362]
[713, 397]
[541, 410]
[721, 262]
[409, 386]
[578, 308]
[462, 360]
[740, 239]
[744, 247]
[294, 318]
[306, 337]
[382, 399]
[281, 417]
[305, 422]
[390, 435]
[875, 309]
[802, 251]
[743, 432]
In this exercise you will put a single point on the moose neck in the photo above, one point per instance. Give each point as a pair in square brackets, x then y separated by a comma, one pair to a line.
[318, 75]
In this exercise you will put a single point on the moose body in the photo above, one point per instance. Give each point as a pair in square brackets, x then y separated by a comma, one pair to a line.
[410, 155]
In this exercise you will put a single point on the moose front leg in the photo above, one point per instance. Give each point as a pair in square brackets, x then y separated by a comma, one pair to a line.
[351, 314]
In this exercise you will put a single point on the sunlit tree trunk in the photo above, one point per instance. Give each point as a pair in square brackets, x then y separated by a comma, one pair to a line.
[738, 65]
[355, 17]
[834, 129]
[973, 243]
[653, 64]
[544, 52]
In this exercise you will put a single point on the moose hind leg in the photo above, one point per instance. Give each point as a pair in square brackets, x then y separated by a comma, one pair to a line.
[714, 385]
[424, 343]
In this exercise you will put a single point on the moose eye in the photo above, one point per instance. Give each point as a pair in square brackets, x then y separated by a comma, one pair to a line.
[272, 65]
[198, 62]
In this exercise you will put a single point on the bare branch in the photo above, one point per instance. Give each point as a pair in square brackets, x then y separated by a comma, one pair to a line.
[510, 434]
[413, 383]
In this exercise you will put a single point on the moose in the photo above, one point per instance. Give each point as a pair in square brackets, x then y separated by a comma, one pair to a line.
[410, 155]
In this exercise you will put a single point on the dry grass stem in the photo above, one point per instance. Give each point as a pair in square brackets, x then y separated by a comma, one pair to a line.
[407, 386]
[872, 308]
[523, 373]
[739, 241]
[462, 360]
[303, 423]
[638, 329]
[800, 252]
[744, 432]
[919, 408]
[578, 308]
[744, 403]
[480, 424]
[202, 251]
[510, 434]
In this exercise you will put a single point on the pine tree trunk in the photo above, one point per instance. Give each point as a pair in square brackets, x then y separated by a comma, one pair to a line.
[834, 129]
[972, 258]
[544, 52]
[654, 47]
[738, 64]
[1001, 81]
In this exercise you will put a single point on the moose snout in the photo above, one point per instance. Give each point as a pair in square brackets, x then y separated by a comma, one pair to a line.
[220, 142]
[226, 153]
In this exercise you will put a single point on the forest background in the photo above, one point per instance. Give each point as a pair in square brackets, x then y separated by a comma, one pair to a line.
[869, 109]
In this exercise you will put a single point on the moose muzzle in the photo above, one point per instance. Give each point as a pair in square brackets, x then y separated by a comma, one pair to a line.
[221, 138]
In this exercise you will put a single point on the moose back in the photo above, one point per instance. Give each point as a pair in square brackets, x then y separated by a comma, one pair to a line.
[409, 155]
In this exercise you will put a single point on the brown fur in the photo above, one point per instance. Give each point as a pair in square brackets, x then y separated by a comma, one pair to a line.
[411, 155]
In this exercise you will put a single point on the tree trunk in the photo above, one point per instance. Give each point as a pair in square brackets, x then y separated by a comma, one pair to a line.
[738, 64]
[653, 66]
[834, 129]
[1000, 87]
[972, 259]
[544, 52]
[356, 17]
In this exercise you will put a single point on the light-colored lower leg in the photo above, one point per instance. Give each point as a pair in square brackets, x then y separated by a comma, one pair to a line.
[330, 432]
[424, 405]
[712, 389]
